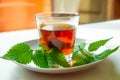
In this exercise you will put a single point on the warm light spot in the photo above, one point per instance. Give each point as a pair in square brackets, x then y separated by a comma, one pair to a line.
[20, 14]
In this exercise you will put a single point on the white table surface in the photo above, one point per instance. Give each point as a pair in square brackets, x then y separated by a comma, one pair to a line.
[108, 69]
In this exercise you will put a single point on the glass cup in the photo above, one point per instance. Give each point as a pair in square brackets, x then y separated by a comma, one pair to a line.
[57, 30]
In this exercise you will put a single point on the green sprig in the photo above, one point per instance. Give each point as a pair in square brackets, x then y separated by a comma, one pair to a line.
[22, 53]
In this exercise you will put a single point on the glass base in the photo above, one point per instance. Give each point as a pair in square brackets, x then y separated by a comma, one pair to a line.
[69, 58]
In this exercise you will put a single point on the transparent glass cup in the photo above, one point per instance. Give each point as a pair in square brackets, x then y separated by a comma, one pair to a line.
[57, 30]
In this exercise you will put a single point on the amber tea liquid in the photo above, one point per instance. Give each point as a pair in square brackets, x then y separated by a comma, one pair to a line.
[61, 36]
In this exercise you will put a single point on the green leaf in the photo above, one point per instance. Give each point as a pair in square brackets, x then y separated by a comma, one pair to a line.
[106, 53]
[76, 49]
[89, 56]
[25, 58]
[20, 52]
[39, 58]
[58, 57]
[79, 59]
[95, 45]
[50, 61]
[82, 45]
[82, 57]
[41, 46]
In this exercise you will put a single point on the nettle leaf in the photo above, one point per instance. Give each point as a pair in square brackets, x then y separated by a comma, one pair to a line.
[82, 57]
[106, 53]
[25, 58]
[39, 59]
[82, 45]
[50, 61]
[95, 45]
[20, 52]
[89, 56]
[58, 57]
[41, 46]
[76, 49]
[79, 59]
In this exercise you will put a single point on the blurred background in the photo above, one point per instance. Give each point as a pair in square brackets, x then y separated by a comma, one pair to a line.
[20, 14]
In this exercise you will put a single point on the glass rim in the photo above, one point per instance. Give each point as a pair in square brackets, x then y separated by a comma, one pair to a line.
[57, 14]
